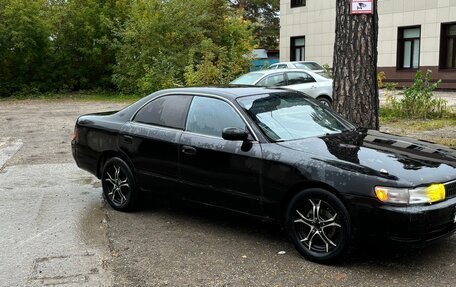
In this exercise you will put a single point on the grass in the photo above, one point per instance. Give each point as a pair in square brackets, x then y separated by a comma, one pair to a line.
[419, 125]
[88, 96]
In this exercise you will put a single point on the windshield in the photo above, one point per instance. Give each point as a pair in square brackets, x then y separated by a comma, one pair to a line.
[247, 79]
[309, 66]
[290, 116]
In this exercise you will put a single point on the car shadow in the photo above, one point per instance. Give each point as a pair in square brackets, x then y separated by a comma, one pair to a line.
[386, 256]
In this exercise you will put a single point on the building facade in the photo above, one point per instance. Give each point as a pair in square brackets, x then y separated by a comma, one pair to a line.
[413, 34]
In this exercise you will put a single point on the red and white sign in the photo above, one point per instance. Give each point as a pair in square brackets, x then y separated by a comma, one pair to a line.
[362, 7]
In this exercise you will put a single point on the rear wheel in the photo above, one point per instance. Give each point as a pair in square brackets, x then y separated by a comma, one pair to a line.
[324, 100]
[318, 224]
[118, 185]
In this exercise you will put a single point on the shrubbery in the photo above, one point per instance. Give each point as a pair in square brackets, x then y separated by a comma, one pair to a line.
[133, 46]
[417, 102]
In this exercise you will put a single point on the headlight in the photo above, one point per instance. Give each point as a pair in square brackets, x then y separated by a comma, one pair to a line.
[425, 194]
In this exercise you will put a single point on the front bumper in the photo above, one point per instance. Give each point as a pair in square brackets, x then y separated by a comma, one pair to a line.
[408, 224]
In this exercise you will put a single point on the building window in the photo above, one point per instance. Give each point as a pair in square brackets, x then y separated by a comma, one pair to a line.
[298, 3]
[408, 47]
[448, 46]
[297, 50]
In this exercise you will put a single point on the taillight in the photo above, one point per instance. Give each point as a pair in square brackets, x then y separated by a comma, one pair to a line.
[75, 134]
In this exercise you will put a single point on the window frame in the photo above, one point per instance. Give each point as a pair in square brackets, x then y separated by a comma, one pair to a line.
[400, 48]
[297, 3]
[270, 76]
[299, 72]
[252, 135]
[293, 48]
[185, 112]
[443, 51]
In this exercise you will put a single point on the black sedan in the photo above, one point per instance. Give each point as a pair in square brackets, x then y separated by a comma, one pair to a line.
[273, 154]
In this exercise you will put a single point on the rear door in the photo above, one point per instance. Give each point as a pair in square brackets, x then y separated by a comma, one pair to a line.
[151, 141]
[216, 171]
[303, 82]
[273, 80]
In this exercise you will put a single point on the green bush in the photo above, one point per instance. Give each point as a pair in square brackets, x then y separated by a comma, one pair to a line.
[418, 101]
[381, 76]
[327, 70]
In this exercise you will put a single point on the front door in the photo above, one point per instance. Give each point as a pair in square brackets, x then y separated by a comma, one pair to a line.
[217, 171]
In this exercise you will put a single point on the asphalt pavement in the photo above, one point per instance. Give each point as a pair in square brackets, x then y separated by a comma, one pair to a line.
[56, 229]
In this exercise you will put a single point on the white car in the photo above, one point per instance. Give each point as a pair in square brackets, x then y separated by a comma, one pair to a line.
[316, 85]
[305, 65]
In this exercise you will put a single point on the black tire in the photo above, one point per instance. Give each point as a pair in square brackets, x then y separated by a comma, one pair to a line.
[118, 185]
[325, 101]
[319, 226]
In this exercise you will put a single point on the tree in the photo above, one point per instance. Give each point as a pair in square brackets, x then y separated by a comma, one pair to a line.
[181, 42]
[83, 40]
[355, 88]
[24, 45]
[264, 15]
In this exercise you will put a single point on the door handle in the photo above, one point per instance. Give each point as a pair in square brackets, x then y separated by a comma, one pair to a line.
[188, 150]
[127, 139]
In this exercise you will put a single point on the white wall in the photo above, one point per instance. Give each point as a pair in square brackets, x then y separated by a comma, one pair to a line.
[316, 22]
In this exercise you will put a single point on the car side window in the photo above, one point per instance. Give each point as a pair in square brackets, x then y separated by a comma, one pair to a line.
[167, 111]
[274, 66]
[273, 80]
[295, 78]
[283, 66]
[210, 116]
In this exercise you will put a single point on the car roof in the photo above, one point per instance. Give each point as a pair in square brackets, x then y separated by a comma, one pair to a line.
[225, 92]
[272, 71]
[292, 62]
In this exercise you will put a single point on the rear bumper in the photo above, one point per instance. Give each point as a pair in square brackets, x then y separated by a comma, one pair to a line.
[85, 158]
[407, 224]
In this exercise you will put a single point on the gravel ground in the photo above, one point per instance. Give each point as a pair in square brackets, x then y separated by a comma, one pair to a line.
[163, 244]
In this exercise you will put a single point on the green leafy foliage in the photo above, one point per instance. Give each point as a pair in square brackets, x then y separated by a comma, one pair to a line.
[24, 45]
[327, 70]
[418, 101]
[193, 42]
[264, 15]
[134, 46]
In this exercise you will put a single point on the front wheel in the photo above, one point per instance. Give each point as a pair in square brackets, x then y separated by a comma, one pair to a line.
[318, 224]
[118, 185]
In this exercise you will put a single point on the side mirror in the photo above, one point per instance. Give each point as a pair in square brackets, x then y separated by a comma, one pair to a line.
[234, 134]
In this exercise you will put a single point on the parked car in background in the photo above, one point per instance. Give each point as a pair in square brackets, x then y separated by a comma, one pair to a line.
[306, 65]
[315, 85]
[277, 155]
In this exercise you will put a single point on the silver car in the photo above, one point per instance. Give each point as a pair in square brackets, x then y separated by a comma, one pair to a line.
[313, 84]
[305, 65]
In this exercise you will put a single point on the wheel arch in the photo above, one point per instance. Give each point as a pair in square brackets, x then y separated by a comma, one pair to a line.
[110, 154]
[296, 188]
[325, 96]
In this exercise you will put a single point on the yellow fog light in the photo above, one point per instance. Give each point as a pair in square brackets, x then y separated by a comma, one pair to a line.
[435, 192]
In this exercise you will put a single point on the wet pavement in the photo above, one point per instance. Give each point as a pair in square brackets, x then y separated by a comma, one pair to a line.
[56, 229]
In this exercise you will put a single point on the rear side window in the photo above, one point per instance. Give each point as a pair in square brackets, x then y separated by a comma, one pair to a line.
[167, 111]
[209, 116]
[295, 78]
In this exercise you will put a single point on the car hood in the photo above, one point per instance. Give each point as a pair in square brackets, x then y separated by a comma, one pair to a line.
[408, 160]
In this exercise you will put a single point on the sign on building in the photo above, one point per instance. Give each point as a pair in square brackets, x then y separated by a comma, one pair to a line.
[362, 7]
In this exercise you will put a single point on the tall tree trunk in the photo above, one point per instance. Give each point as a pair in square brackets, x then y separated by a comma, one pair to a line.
[355, 88]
